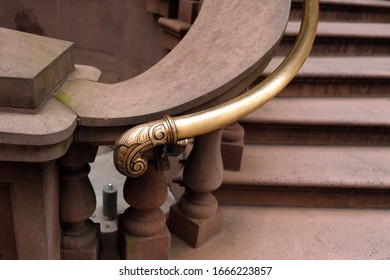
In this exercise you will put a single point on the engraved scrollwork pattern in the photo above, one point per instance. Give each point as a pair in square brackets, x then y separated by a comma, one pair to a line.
[130, 148]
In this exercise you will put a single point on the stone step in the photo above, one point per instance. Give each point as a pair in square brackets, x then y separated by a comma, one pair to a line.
[348, 10]
[310, 176]
[256, 232]
[343, 38]
[320, 121]
[294, 233]
[338, 76]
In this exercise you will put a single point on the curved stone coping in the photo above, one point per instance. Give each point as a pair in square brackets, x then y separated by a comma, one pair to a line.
[229, 40]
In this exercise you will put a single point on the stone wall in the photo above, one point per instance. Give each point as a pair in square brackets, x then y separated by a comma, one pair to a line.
[120, 37]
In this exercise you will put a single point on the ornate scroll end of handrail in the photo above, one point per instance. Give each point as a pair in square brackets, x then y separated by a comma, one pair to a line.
[130, 148]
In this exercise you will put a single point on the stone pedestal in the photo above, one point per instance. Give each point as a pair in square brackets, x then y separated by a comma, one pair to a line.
[35, 130]
[196, 232]
[90, 234]
[29, 225]
[155, 247]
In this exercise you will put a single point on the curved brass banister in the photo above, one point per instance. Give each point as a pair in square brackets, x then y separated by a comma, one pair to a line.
[129, 151]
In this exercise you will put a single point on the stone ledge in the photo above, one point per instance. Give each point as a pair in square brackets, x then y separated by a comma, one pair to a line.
[45, 135]
[53, 124]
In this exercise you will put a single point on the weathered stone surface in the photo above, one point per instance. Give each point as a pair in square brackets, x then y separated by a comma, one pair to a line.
[31, 67]
[35, 210]
[154, 247]
[37, 137]
[84, 72]
[196, 218]
[194, 73]
[320, 121]
[45, 135]
[294, 233]
[311, 176]
[54, 123]
[343, 38]
[337, 101]
[89, 252]
[78, 202]
[196, 232]
[352, 76]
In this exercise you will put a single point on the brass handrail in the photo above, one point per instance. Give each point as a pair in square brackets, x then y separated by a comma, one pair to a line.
[129, 158]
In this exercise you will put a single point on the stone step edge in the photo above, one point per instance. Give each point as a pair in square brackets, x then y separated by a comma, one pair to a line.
[364, 112]
[320, 121]
[285, 187]
[339, 67]
[347, 11]
[347, 30]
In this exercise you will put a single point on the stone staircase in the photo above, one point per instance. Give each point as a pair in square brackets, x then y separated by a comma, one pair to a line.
[324, 141]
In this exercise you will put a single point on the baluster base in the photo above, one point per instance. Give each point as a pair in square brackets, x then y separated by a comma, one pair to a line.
[132, 247]
[90, 251]
[195, 232]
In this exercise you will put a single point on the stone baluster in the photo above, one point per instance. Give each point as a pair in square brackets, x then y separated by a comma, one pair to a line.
[232, 146]
[80, 236]
[197, 217]
[142, 232]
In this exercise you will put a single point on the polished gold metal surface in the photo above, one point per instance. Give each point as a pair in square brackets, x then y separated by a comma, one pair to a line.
[129, 157]
[129, 148]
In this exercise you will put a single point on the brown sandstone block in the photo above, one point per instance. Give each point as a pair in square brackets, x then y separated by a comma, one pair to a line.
[156, 247]
[195, 232]
[31, 67]
[90, 252]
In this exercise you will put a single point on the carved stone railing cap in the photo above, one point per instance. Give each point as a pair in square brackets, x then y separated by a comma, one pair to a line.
[45, 135]
[38, 137]
[230, 40]
[53, 123]
[31, 67]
